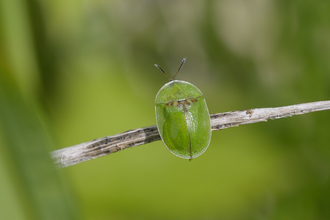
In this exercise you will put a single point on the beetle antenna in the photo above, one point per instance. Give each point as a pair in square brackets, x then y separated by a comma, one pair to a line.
[181, 65]
[163, 71]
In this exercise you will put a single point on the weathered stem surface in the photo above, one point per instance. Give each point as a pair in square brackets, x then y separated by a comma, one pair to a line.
[111, 144]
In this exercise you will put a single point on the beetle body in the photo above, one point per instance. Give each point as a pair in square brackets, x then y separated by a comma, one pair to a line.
[183, 119]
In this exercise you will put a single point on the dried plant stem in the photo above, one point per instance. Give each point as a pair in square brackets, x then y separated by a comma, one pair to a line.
[111, 144]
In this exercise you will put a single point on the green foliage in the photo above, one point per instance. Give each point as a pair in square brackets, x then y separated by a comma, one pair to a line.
[39, 187]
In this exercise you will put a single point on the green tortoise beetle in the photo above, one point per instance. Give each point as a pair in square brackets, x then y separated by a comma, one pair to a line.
[182, 116]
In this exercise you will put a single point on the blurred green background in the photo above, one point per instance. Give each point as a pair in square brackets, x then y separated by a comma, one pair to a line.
[73, 71]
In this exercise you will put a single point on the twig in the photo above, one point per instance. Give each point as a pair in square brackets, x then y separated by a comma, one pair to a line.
[108, 145]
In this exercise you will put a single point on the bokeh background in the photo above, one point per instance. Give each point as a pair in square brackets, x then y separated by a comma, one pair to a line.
[73, 71]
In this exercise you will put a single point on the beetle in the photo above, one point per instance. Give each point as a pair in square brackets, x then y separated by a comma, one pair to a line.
[182, 117]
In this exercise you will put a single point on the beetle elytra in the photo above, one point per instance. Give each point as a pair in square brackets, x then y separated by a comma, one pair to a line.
[182, 116]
